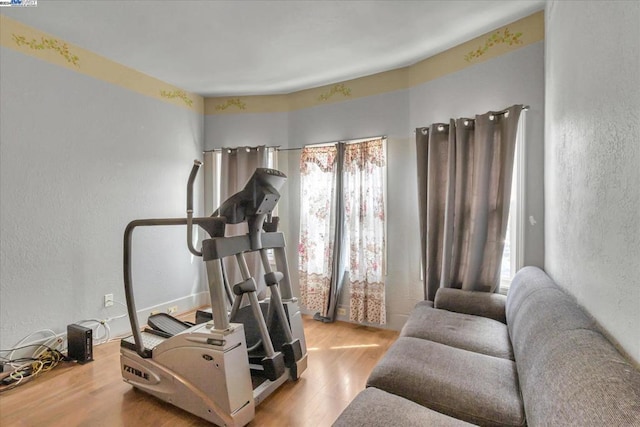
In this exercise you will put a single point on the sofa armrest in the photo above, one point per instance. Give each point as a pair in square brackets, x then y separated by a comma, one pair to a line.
[472, 302]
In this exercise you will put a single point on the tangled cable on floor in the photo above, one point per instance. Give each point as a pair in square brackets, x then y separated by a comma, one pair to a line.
[26, 369]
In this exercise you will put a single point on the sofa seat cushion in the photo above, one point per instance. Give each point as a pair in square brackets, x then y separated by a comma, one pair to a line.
[463, 384]
[374, 407]
[465, 331]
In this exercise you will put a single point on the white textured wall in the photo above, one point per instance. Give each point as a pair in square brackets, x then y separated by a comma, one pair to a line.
[80, 158]
[592, 160]
[235, 130]
[517, 77]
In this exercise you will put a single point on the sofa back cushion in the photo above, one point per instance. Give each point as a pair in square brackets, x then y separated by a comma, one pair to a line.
[545, 313]
[580, 379]
[569, 373]
[528, 280]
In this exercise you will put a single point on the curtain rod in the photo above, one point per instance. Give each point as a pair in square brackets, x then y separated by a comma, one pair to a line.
[524, 108]
[277, 147]
[289, 149]
[335, 142]
[215, 150]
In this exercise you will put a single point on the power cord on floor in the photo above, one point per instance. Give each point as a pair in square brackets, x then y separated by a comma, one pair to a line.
[48, 343]
[46, 355]
[25, 369]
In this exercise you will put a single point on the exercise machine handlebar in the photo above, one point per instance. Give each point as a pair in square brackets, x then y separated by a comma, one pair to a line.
[213, 225]
[128, 284]
[192, 177]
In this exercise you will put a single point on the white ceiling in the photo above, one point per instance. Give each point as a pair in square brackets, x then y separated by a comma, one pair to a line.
[244, 47]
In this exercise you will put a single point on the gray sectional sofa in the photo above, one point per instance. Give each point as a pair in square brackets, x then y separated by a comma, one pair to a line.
[531, 358]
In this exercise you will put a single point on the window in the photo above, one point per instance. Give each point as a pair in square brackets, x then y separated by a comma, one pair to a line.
[342, 228]
[512, 257]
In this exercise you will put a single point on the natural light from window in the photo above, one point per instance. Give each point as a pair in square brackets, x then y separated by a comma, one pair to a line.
[512, 255]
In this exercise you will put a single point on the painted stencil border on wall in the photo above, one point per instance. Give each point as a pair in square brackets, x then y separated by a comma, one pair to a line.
[500, 36]
[48, 43]
[30, 41]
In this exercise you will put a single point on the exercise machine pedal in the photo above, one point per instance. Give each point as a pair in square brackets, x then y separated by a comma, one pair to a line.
[292, 352]
[149, 342]
[168, 324]
[273, 367]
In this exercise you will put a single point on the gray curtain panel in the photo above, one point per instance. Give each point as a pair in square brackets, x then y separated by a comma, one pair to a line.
[338, 271]
[464, 185]
[237, 166]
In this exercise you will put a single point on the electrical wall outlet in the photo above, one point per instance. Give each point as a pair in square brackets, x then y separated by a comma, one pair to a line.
[342, 311]
[108, 300]
[173, 309]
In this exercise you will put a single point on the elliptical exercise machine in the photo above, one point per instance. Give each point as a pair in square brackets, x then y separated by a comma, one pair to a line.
[206, 369]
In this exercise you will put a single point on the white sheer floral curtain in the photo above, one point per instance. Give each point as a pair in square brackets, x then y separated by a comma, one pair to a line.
[342, 222]
[318, 175]
[365, 213]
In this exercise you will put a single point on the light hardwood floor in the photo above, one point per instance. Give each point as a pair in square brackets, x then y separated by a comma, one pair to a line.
[341, 356]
